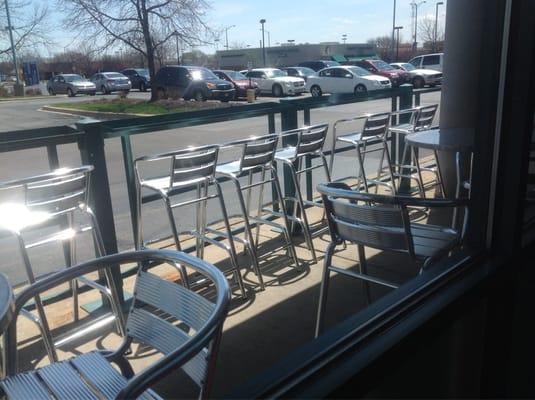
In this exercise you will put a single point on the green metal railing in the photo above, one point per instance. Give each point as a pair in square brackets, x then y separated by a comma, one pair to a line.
[91, 135]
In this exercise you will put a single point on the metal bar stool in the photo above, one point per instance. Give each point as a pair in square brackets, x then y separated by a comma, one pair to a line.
[189, 169]
[49, 200]
[382, 222]
[257, 157]
[374, 128]
[421, 118]
[309, 143]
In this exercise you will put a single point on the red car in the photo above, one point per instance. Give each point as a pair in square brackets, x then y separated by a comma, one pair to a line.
[241, 82]
[379, 67]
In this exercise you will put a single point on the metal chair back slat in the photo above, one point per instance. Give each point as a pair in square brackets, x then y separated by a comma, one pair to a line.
[259, 152]
[310, 139]
[185, 305]
[376, 125]
[368, 215]
[424, 117]
[193, 165]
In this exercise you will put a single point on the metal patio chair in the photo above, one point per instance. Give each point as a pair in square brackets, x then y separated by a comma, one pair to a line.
[309, 142]
[57, 199]
[374, 129]
[180, 324]
[191, 169]
[382, 222]
[257, 158]
[421, 118]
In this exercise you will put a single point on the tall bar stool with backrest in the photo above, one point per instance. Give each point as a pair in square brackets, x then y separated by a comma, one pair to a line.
[374, 129]
[52, 199]
[257, 157]
[309, 143]
[421, 118]
[190, 169]
[382, 222]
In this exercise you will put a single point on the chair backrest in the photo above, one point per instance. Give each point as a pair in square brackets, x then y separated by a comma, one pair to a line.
[376, 125]
[56, 192]
[310, 139]
[424, 117]
[367, 219]
[166, 315]
[258, 151]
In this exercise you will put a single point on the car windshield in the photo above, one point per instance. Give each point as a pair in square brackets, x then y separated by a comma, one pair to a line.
[236, 75]
[199, 74]
[381, 65]
[142, 72]
[275, 73]
[306, 71]
[408, 67]
[359, 71]
[113, 75]
[331, 63]
[73, 78]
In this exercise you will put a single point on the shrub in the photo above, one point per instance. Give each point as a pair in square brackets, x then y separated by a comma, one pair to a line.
[33, 92]
[4, 92]
[123, 94]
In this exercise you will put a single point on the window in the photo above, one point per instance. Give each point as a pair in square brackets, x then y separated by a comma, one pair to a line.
[416, 61]
[431, 60]
[329, 73]
[342, 73]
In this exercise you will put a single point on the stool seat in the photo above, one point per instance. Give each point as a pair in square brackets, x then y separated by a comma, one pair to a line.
[357, 138]
[286, 154]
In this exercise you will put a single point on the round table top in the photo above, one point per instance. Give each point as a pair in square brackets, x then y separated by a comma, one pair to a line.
[7, 303]
[445, 139]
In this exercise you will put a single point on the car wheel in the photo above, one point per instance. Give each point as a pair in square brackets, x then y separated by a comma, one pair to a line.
[418, 82]
[161, 94]
[277, 90]
[51, 92]
[315, 91]
[103, 89]
[360, 90]
[199, 96]
[70, 93]
[142, 87]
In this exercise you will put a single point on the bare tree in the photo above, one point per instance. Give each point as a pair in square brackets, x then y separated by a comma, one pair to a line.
[426, 31]
[383, 46]
[29, 21]
[142, 25]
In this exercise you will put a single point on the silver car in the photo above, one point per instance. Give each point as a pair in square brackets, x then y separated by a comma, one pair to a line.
[70, 84]
[107, 82]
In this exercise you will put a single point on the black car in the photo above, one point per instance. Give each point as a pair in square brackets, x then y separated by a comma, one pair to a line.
[191, 82]
[139, 77]
[300, 72]
[319, 64]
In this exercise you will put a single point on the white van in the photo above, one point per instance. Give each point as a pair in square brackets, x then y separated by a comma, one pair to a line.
[428, 61]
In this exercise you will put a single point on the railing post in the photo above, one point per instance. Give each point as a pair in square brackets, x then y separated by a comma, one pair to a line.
[308, 160]
[405, 103]
[288, 122]
[92, 152]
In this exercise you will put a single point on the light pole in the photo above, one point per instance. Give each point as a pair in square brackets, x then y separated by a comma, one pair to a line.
[397, 28]
[226, 35]
[415, 43]
[393, 31]
[263, 21]
[436, 24]
[291, 41]
[344, 38]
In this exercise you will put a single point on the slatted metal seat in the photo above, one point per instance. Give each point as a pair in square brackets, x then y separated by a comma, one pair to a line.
[382, 222]
[58, 199]
[182, 325]
[374, 130]
[409, 166]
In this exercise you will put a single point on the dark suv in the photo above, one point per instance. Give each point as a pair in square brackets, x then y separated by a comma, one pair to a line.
[139, 77]
[319, 64]
[191, 82]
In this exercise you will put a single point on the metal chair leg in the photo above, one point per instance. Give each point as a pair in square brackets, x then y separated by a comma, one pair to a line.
[72, 261]
[363, 269]
[418, 172]
[360, 159]
[389, 166]
[439, 175]
[260, 205]
[324, 288]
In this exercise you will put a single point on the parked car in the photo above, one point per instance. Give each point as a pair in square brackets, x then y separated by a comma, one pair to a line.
[108, 82]
[318, 64]
[420, 77]
[300, 72]
[428, 61]
[276, 82]
[345, 79]
[192, 82]
[139, 78]
[241, 82]
[70, 84]
[379, 67]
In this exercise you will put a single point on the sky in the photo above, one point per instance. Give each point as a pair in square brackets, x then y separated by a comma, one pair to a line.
[304, 21]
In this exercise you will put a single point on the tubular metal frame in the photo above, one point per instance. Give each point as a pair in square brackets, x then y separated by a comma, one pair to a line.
[382, 222]
[43, 182]
[259, 160]
[360, 141]
[304, 148]
[202, 177]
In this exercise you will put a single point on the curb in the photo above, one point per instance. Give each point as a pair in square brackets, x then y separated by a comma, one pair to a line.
[92, 114]
[24, 98]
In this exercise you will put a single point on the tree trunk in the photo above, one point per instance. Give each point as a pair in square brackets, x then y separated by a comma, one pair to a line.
[150, 49]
